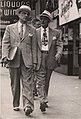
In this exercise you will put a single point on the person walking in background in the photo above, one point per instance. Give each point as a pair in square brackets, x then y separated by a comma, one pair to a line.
[19, 53]
[36, 23]
[50, 47]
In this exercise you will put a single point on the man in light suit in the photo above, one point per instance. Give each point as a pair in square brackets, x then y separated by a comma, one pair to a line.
[19, 52]
[50, 47]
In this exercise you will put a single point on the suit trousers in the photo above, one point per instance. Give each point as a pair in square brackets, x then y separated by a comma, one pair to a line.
[40, 83]
[40, 77]
[27, 78]
[26, 75]
[48, 73]
[47, 80]
[15, 85]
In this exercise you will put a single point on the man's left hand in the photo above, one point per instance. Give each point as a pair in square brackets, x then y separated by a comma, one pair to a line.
[57, 57]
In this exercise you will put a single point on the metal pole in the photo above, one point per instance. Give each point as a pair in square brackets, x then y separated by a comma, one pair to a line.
[80, 51]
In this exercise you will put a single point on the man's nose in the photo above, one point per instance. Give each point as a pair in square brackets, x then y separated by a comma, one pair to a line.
[26, 14]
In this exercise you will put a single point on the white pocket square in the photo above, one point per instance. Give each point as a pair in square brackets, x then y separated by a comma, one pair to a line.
[30, 35]
[54, 37]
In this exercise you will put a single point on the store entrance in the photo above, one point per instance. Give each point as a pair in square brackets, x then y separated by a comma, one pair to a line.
[69, 61]
[73, 45]
[75, 49]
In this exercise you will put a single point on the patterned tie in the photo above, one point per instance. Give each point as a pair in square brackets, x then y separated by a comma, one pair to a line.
[21, 32]
[45, 40]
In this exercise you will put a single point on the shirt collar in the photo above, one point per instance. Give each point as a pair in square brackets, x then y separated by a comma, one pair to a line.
[46, 28]
[19, 24]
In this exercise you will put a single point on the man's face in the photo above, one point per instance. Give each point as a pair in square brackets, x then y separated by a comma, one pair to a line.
[37, 24]
[24, 16]
[44, 22]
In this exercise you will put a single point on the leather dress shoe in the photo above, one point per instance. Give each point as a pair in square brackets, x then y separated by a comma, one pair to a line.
[16, 108]
[28, 110]
[43, 107]
[46, 104]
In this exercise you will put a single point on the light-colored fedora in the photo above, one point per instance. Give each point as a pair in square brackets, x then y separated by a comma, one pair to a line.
[46, 14]
[23, 8]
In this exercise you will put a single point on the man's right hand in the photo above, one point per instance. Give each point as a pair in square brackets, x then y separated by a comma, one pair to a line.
[5, 61]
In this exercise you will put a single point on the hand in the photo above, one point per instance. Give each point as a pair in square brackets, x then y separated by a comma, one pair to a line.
[5, 62]
[57, 57]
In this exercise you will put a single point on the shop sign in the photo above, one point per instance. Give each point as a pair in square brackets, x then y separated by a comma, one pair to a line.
[8, 7]
[68, 11]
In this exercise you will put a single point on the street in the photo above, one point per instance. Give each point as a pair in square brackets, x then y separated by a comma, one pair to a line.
[64, 98]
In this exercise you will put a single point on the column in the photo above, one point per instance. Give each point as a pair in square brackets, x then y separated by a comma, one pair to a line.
[80, 52]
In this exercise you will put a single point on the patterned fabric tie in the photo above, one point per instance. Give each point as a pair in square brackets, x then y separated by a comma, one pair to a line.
[21, 32]
[45, 40]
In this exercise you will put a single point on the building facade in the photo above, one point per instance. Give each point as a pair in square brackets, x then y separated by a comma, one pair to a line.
[70, 23]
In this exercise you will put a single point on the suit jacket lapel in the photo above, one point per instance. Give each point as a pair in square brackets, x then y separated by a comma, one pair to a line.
[25, 33]
[50, 38]
[15, 30]
[39, 38]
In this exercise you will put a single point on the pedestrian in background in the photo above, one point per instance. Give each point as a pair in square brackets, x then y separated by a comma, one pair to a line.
[36, 23]
[50, 47]
[19, 53]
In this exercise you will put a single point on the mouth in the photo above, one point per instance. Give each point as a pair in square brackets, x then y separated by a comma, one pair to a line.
[25, 18]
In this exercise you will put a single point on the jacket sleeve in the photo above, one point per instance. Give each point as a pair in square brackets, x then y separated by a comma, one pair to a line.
[6, 43]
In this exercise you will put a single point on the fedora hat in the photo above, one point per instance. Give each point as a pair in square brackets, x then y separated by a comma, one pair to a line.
[46, 14]
[23, 8]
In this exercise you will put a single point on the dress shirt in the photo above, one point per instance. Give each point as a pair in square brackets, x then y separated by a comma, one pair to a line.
[44, 48]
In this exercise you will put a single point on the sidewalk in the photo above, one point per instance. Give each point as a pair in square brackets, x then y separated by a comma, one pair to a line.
[64, 99]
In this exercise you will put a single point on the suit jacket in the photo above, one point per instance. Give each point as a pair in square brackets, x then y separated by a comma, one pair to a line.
[26, 46]
[55, 46]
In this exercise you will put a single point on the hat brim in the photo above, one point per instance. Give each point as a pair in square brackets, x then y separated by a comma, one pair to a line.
[22, 9]
[45, 15]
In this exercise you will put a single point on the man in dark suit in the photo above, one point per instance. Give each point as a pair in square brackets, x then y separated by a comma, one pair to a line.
[19, 53]
[50, 47]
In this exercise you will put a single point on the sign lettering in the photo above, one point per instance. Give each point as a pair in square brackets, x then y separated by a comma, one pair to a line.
[8, 7]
